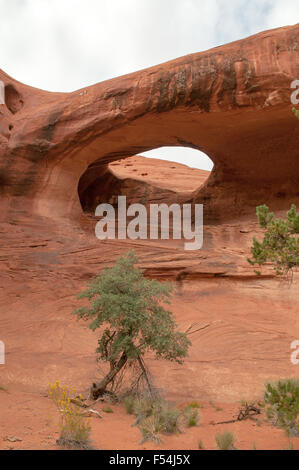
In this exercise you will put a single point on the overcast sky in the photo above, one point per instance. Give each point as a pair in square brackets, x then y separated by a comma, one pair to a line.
[64, 45]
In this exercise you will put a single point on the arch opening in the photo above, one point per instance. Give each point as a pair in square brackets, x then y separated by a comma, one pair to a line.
[184, 155]
[151, 177]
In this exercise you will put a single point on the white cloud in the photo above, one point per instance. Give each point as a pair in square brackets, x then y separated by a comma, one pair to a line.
[63, 45]
[283, 13]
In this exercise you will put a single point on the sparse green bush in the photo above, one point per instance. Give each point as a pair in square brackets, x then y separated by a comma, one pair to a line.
[170, 419]
[107, 410]
[225, 441]
[164, 420]
[154, 416]
[191, 416]
[194, 404]
[145, 406]
[282, 404]
[151, 428]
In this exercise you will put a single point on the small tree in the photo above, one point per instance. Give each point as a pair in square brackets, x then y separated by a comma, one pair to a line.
[280, 244]
[127, 307]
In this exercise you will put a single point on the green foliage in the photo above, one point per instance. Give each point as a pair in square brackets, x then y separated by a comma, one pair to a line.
[129, 307]
[282, 404]
[107, 410]
[225, 441]
[280, 244]
[194, 404]
[296, 112]
[191, 416]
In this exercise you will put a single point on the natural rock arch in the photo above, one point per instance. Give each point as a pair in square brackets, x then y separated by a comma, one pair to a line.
[232, 102]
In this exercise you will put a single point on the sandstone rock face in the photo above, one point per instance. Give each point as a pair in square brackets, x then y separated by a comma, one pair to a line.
[141, 180]
[232, 102]
[62, 153]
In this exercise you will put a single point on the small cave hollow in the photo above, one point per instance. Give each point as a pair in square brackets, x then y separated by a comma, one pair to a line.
[13, 99]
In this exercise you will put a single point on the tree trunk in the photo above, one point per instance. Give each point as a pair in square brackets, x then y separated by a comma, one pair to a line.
[142, 367]
[99, 388]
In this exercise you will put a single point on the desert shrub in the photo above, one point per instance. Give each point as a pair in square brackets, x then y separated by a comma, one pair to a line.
[282, 404]
[107, 410]
[154, 416]
[129, 402]
[163, 420]
[170, 419]
[194, 404]
[75, 431]
[191, 416]
[145, 406]
[151, 429]
[225, 441]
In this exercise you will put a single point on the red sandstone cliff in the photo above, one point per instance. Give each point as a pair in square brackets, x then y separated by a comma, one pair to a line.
[232, 102]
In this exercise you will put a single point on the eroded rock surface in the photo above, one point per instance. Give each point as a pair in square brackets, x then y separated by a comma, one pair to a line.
[232, 102]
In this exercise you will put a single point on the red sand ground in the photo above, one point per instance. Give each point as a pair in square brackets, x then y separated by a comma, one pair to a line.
[33, 419]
